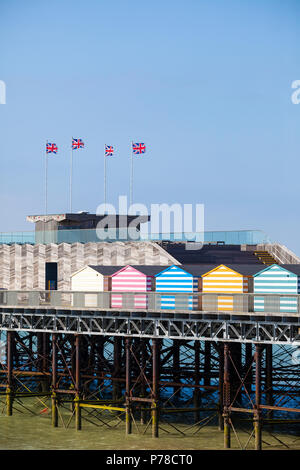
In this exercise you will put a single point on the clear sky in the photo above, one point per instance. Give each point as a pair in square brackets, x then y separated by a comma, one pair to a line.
[206, 84]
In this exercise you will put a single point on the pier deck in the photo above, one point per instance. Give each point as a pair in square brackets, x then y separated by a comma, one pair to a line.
[67, 312]
[111, 367]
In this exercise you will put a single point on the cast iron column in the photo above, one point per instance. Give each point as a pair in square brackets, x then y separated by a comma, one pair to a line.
[197, 381]
[226, 397]
[257, 412]
[269, 377]
[9, 360]
[128, 387]
[54, 383]
[155, 379]
[77, 383]
[221, 387]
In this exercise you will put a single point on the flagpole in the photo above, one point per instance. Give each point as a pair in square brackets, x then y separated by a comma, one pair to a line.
[71, 171]
[46, 182]
[131, 178]
[104, 178]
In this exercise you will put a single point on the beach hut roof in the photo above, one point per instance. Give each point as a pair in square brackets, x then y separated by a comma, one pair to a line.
[105, 270]
[198, 269]
[243, 269]
[147, 270]
[178, 266]
[110, 270]
[293, 268]
[99, 269]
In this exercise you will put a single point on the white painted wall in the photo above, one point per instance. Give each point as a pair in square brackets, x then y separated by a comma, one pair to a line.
[88, 280]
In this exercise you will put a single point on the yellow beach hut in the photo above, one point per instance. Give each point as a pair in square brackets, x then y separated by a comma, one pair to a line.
[227, 280]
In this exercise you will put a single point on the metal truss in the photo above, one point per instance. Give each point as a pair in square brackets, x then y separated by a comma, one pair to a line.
[230, 329]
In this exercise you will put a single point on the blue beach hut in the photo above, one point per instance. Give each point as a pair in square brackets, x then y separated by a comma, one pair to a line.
[179, 279]
[277, 279]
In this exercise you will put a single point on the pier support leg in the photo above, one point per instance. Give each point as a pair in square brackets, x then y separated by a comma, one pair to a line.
[9, 360]
[197, 396]
[226, 398]
[221, 386]
[100, 353]
[73, 370]
[117, 366]
[257, 412]
[155, 378]
[236, 371]
[176, 366]
[77, 383]
[54, 413]
[128, 387]
[39, 361]
[143, 382]
[42, 355]
[207, 362]
[269, 377]
[248, 365]
[45, 361]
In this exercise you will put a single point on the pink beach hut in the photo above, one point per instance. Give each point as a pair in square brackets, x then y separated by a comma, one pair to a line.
[132, 279]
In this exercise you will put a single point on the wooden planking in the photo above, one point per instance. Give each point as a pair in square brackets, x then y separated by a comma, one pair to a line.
[27, 267]
[15, 266]
[26, 270]
[39, 260]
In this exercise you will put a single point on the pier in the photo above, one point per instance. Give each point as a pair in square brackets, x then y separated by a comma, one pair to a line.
[138, 368]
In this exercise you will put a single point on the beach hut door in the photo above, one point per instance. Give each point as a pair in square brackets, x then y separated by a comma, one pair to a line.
[225, 302]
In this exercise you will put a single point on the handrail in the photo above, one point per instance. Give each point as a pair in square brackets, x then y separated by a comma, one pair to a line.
[153, 301]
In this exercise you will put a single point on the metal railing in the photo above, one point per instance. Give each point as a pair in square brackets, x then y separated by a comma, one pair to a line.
[279, 304]
[281, 253]
[235, 237]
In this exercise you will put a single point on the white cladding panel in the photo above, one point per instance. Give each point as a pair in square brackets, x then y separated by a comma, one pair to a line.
[87, 280]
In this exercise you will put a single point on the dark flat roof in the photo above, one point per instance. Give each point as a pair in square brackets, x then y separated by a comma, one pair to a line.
[109, 270]
[150, 270]
[245, 269]
[294, 268]
[82, 216]
[194, 269]
[105, 270]
[198, 269]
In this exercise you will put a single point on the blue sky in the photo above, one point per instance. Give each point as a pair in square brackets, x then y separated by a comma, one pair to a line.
[206, 84]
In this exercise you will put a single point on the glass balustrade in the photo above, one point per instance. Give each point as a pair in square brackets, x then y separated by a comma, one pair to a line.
[238, 237]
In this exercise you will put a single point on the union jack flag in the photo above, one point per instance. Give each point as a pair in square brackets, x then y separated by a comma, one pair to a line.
[77, 143]
[51, 148]
[138, 148]
[109, 150]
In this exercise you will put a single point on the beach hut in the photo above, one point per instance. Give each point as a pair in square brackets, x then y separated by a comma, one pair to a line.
[226, 280]
[179, 279]
[277, 279]
[131, 279]
[92, 279]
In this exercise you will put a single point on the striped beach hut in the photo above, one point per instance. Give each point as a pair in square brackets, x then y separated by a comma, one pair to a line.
[277, 279]
[179, 279]
[132, 279]
[226, 280]
[92, 279]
